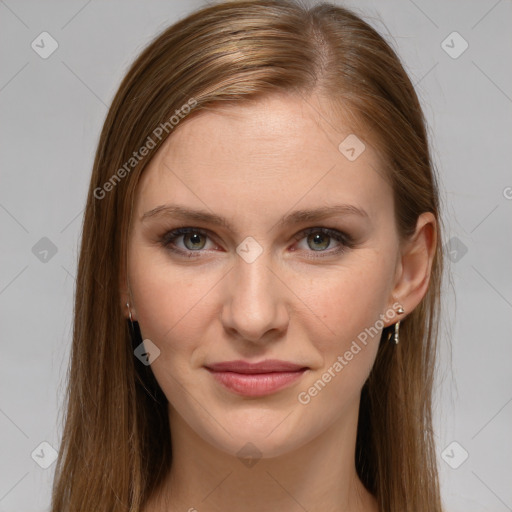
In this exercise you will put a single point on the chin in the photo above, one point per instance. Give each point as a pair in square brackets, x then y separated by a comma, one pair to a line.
[256, 446]
[256, 434]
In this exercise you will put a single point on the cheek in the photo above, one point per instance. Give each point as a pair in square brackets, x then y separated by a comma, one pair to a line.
[350, 305]
[171, 311]
[171, 302]
[349, 299]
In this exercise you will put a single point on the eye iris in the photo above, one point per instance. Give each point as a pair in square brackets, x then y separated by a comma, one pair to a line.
[318, 237]
[196, 237]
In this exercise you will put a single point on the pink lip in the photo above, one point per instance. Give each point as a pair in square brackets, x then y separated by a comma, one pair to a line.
[256, 379]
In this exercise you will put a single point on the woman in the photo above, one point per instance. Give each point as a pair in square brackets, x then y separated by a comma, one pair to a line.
[258, 286]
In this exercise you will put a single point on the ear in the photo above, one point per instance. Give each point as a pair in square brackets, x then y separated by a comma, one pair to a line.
[415, 263]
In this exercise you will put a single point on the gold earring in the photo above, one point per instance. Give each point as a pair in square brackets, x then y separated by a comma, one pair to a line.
[395, 335]
[399, 311]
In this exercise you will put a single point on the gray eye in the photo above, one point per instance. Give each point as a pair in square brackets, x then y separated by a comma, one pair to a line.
[320, 241]
[194, 239]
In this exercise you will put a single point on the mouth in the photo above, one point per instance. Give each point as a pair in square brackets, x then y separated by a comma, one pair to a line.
[256, 379]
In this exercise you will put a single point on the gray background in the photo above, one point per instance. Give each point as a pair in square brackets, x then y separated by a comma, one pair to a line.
[52, 112]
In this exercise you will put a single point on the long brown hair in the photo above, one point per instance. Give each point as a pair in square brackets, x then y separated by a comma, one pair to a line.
[115, 448]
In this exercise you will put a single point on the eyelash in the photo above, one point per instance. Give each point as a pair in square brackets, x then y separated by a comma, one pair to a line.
[346, 241]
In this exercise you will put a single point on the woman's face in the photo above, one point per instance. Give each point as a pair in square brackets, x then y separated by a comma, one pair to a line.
[272, 285]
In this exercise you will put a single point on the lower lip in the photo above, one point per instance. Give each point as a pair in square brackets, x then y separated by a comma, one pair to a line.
[256, 384]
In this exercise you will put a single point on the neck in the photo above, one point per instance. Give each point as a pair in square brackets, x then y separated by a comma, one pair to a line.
[318, 476]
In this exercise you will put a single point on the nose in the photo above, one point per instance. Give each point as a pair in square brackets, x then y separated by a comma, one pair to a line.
[256, 301]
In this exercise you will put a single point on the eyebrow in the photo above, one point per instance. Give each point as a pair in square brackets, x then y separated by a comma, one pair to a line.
[296, 217]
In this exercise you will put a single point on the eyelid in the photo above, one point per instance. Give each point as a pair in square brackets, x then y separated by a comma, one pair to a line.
[333, 232]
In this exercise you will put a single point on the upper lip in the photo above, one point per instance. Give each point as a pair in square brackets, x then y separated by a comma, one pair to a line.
[267, 366]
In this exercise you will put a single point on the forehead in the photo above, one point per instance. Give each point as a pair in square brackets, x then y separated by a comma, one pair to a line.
[249, 155]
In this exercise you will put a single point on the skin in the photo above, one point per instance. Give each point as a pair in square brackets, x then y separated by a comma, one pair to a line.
[298, 301]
